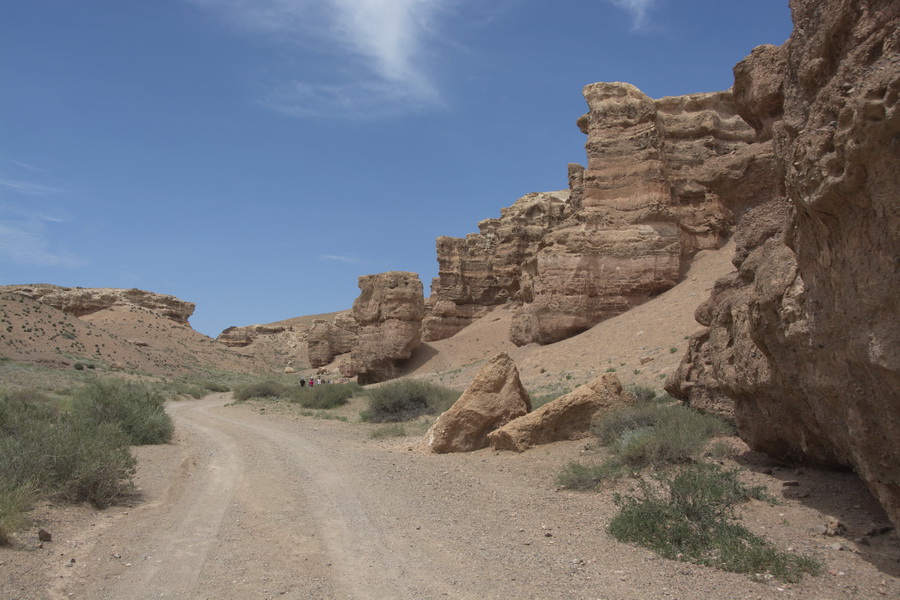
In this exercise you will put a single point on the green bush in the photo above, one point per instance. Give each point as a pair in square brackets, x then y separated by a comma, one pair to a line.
[215, 386]
[329, 395]
[136, 408]
[261, 389]
[51, 453]
[405, 399]
[645, 434]
[690, 517]
[14, 502]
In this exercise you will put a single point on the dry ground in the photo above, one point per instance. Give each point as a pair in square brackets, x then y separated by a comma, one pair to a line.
[261, 500]
[255, 500]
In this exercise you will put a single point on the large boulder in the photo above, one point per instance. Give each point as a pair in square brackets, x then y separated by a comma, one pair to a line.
[565, 418]
[805, 338]
[494, 398]
[389, 313]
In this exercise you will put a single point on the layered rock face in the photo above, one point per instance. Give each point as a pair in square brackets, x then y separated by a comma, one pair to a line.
[389, 313]
[660, 184]
[484, 269]
[327, 340]
[806, 337]
[85, 301]
[241, 337]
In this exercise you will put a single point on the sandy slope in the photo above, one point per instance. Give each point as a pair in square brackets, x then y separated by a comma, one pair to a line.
[650, 331]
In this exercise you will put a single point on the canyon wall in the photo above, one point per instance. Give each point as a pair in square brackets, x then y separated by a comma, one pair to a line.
[805, 338]
[661, 182]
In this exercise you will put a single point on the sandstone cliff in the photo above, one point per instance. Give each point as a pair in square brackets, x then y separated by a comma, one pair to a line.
[805, 338]
[84, 301]
[662, 182]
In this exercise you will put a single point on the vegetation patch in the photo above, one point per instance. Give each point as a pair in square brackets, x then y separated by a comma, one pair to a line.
[388, 431]
[405, 399]
[261, 389]
[690, 517]
[324, 396]
[136, 408]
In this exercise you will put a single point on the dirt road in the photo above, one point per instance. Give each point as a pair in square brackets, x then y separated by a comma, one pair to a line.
[255, 501]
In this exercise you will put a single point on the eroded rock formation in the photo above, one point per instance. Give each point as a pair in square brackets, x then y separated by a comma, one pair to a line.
[566, 418]
[805, 338]
[79, 302]
[329, 339]
[494, 398]
[389, 313]
[661, 183]
[241, 337]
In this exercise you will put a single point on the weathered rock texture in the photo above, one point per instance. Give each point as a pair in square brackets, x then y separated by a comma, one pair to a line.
[79, 302]
[566, 418]
[241, 337]
[388, 311]
[661, 183]
[494, 398]
[329, 339]
[806, 337]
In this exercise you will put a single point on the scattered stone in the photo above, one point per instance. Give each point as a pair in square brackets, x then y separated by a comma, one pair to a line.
[44, 535]
[791, 483]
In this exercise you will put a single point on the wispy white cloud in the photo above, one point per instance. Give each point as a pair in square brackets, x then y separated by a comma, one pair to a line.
[346, 259]
[27, 187]
[25, 241]
[379, 50]
[638, 10]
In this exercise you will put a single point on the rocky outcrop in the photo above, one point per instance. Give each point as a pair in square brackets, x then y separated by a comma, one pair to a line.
[662, 181]
[484, 269]
[565, 418]
[241, 337]
[494, 398]
[79, 302]
[326, 340]
[805, 338]
[389, 313]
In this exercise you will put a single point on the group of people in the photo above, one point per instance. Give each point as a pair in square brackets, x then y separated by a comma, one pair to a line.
[312, 381]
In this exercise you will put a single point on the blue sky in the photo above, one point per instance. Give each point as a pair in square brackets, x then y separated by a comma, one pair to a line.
[257, 156]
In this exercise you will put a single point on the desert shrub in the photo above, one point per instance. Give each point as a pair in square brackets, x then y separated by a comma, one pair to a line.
[645, 393]
[57, 454]
[15, 500]
[580, 476]
[136, 408]
[389, 430]
[538, 401]
[645, 434]
[89, 461]
[261, 389]
[215, 386]
[329, 395]
[405, 399]
[690, 517]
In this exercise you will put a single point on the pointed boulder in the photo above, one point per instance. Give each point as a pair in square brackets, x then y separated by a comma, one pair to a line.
[495, 397]
[566, 418]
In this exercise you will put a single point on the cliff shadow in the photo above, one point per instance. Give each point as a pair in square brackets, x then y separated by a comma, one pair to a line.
[835, 495]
